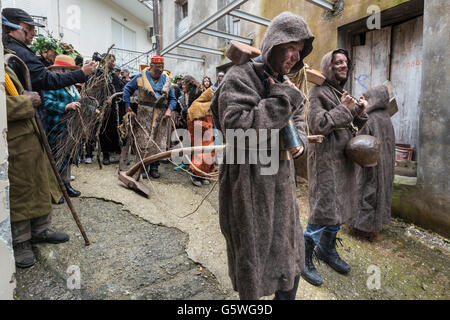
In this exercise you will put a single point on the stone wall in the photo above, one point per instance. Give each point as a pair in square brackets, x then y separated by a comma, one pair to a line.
[428, 203]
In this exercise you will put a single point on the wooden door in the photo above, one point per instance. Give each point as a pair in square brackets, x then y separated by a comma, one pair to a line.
[406, 77]
[371, 61]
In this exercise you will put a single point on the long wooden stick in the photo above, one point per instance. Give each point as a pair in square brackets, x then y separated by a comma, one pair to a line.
[48, 150]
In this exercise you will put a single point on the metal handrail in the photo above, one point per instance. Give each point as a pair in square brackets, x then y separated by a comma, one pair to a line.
[132, 58]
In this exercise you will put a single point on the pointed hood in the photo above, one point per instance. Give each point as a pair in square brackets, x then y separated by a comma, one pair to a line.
[326, 67]
[284, 28]
[377, 97]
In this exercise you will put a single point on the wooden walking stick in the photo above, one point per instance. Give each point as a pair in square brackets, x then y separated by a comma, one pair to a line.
[47, 149]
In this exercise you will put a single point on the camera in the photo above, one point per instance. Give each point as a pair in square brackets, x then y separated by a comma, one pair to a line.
[97, 57]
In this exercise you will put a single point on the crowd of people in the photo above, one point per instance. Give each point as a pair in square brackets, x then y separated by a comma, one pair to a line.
[267, 249]
[54, 89]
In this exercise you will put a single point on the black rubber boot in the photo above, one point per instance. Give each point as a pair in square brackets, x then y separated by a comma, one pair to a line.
[71, 191]
[310, 273]
[326, 251]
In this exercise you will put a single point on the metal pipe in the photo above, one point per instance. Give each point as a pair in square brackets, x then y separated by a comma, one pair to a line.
[249, 17]
[323, 4]
[225, 35]
[156, 26]
[201, 49]
[179, 56]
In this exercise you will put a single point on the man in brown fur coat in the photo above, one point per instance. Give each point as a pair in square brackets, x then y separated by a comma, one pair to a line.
[258, 211]
[332, 187]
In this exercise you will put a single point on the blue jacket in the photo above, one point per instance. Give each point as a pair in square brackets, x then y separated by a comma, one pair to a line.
[132, 86]
[55, 102]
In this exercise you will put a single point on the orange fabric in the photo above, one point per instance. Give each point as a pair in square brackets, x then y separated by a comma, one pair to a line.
[203, 161]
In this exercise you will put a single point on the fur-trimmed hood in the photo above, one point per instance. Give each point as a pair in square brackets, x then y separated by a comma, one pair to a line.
[284, 28]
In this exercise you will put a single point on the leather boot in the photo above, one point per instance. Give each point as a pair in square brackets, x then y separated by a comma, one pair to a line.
[71, 191]
[23, 254]
[326, 251]
[50, 237]
[310, 273]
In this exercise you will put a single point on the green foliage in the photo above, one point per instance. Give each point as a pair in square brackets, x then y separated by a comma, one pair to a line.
[44, 43]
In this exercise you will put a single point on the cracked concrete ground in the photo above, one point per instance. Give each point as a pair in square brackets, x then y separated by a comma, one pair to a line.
[411, 263]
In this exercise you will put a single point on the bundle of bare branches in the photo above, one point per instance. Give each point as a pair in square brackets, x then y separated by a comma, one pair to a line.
[80, 126]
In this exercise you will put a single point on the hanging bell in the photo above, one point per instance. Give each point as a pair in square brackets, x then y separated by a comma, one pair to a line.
[364, 150]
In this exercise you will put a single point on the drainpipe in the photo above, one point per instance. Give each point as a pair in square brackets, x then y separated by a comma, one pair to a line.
[156, 26]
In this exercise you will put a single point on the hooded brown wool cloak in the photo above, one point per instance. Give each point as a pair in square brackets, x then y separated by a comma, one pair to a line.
[258, 214]
[331, 175]
[376, 183]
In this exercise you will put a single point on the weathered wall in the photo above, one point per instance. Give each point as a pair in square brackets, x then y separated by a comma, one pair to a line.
[323, 25]
[429, 202]
[7, 282]
[197, 13]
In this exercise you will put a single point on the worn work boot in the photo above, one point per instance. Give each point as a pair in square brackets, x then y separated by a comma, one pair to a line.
[326, 251]
[310, 273]
[23, 254]
[50, 237]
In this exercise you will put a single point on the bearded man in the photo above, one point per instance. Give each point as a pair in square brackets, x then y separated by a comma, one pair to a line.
[331, 175]
[258, 212]
[156, 101]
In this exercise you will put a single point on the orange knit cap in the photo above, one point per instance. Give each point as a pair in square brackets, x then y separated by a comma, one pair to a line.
[157, 59]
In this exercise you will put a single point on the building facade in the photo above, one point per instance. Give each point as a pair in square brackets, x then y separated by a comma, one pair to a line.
[94, 25]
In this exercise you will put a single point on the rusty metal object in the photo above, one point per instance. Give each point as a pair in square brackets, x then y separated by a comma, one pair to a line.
[364, 150]
[47, 148]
